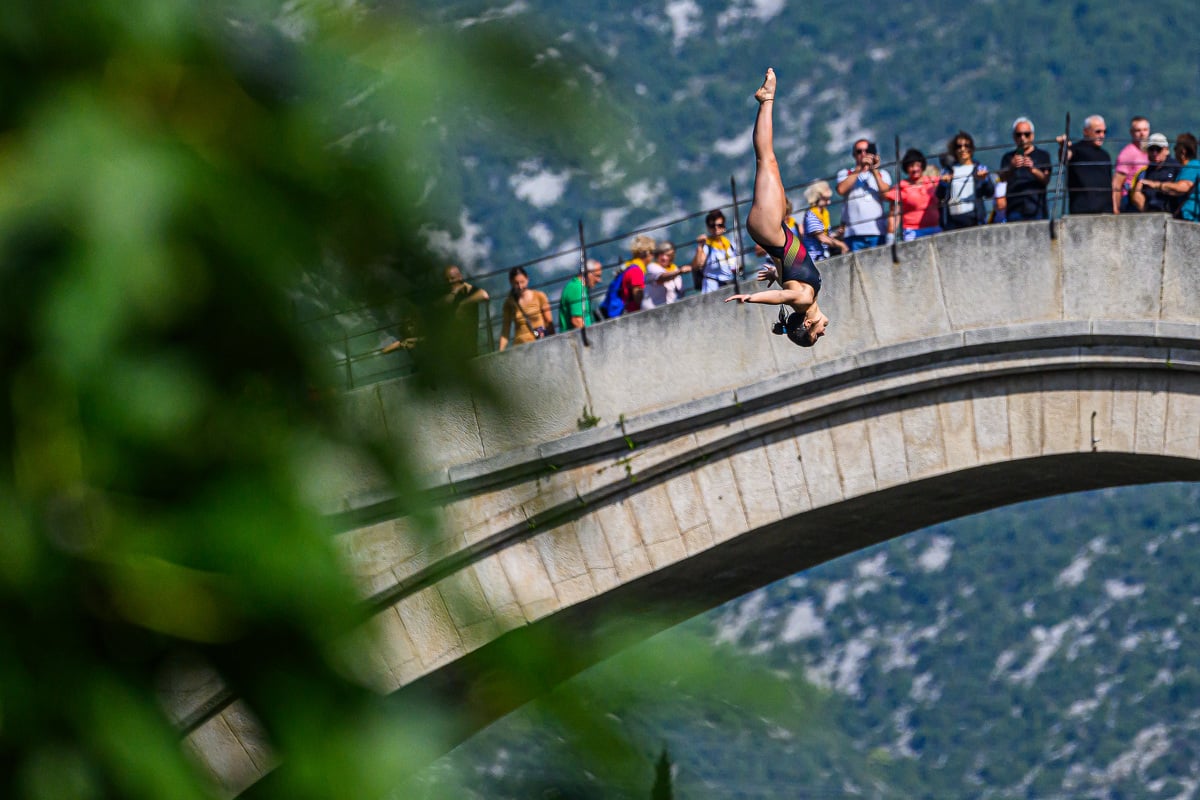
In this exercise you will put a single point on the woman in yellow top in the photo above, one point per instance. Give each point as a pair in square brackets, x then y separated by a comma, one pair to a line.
[526, 312]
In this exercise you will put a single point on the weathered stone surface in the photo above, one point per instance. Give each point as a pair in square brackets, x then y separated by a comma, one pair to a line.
[991, 365]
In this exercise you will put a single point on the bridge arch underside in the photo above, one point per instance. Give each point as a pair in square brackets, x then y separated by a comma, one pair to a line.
[614, 533]
[590, 550]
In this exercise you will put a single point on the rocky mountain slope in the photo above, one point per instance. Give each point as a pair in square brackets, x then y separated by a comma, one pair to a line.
[1046, 650]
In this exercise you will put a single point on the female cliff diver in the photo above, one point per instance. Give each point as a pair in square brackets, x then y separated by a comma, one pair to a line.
[793, 268]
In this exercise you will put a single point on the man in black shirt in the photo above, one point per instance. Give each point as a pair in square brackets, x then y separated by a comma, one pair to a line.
[1162, 168]
[1089, 170]
[1026, 170]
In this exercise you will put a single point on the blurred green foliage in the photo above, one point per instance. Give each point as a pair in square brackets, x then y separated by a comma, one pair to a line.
[171, 171]
[175, 175]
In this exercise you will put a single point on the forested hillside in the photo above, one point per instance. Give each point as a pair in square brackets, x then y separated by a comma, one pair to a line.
[1046, 650]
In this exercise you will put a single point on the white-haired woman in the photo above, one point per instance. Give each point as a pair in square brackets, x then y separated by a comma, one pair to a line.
[817, 241]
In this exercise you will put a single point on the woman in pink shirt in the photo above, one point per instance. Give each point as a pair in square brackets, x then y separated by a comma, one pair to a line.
[918, 204]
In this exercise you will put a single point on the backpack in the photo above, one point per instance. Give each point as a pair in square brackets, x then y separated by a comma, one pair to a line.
[612, 305]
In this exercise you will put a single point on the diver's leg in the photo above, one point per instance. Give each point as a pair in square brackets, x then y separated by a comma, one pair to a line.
[765, 221]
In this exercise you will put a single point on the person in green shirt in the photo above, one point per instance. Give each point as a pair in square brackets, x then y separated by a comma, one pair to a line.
[575, 307]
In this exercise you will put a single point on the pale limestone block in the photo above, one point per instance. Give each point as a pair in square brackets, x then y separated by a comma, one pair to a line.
[787, 474]
[923, 445]
[647, 457]
[554, 494]
[957, 417]
[480, 510]
[502, 520]
[616, 520]
[605, 578]
[436, 552]
[494, 583]
[632, 564]
[361, 652]
[509, 617]
[820, 465]
[886, 432]
[249, 731]
[377, 548]
[482, 633]
[1095, 408]
[1183, 418]
[602, 475]
[719, 493]
[654, 517]
[1150, 431]
[393, 643]
[1024, 426]
[752, 471]
[540, 609]
[561, 552]
[686, 502]
[1124, 414]
[1060, 415]
[852, 451]
[731, 430]
[429, 626]
[698, 539]
[990, 416]
[665, 553]
[527, 575]
[368, 588]
[593, 545]
[575, 590]
[223, 756]
[186, 686]
[463, 595]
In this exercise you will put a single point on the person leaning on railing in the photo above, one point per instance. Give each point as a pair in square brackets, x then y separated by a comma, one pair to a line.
[716, 254]
[917, 194]
[1026, 172]
[575, 303]
[526, 312]
[815, 227]
[1187, 184]
[1089, 170]
[664, 283]
[1162, 168]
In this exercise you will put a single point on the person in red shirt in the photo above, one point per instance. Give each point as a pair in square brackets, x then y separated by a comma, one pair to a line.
[917, 192]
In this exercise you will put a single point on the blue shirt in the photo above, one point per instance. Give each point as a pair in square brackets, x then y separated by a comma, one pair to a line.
[1190, 210]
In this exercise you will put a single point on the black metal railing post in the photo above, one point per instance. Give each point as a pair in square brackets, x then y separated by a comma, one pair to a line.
[737, 221]
[897, 220]
[587, 307]
[1061, 196]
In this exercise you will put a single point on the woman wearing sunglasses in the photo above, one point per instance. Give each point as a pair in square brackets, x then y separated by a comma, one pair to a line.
[964, 187]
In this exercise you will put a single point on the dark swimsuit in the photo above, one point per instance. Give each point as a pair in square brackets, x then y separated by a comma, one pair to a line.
[793, 261]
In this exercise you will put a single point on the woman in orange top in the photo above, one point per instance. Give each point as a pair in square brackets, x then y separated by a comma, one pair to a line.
[526, 312]
[918, 205]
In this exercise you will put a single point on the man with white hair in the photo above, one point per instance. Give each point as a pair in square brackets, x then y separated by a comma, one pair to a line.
[575, 303]
[1090, 171]
[1026, 171]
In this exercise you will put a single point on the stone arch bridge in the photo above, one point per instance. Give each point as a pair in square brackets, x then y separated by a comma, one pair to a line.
[687, 456]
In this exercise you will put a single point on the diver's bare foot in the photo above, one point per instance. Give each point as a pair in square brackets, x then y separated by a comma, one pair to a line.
[767, 90]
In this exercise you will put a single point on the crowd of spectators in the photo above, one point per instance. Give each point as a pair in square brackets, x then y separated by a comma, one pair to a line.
[958, 191]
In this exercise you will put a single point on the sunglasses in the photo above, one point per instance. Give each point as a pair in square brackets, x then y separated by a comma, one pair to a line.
[858, 151]
[1154, 147]
[1023, 134]
[962, 146]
